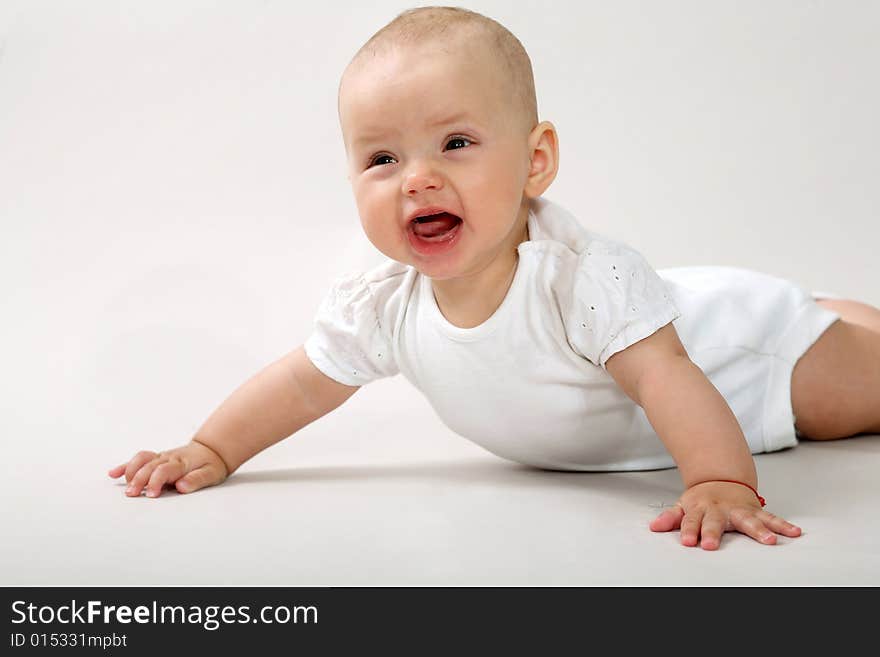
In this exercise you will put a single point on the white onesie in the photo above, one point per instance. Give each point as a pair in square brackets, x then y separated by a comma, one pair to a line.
[529, 384]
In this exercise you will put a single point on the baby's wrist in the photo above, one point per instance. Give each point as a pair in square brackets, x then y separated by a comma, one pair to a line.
[752, 488]
[216, 453]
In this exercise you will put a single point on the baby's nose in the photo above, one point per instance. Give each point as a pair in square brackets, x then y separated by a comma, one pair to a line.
[421, 181]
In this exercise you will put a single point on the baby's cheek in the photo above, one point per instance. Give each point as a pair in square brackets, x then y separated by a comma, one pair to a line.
[386, 236]
[375, 232]
[373, 216]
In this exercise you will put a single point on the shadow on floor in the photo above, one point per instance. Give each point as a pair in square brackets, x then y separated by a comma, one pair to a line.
[656, 484]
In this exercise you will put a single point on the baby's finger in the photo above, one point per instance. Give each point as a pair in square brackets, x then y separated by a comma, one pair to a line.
[198, 478]
[711, 530]
[746, 521]
[169, 472]
[668, 520]
[690, 527]
[141, 477]
[137, 462]
[779, 525]
[117, 471]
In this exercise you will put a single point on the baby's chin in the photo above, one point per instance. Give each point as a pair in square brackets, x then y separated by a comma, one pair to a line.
[435, 270]
[434, 276]
[443, 267]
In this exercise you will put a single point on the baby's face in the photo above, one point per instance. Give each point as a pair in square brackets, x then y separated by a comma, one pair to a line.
[422, 128]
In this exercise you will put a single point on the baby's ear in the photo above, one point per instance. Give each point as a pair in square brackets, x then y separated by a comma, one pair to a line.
[543, 159]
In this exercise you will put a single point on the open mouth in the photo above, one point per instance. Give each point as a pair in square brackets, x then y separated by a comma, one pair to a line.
[436, 227]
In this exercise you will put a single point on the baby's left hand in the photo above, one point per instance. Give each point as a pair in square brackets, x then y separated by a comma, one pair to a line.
[709, 509]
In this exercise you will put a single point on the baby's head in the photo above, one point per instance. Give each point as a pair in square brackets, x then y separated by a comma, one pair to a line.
[438, 112]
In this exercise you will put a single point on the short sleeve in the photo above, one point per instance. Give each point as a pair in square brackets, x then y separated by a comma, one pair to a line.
[617, 299]
[347, 342]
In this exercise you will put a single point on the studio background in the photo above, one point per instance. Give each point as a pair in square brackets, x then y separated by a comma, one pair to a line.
[174, 206]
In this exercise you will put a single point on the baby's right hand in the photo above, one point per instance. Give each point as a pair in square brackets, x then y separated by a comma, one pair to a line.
[187, 468]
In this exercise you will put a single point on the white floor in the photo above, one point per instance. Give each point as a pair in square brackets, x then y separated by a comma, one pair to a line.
[331, 507]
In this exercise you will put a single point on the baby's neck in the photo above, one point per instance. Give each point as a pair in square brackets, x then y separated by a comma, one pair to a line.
[472, 306]
[469, 301]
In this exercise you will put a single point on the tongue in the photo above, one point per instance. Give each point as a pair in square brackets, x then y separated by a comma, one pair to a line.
[435, 225]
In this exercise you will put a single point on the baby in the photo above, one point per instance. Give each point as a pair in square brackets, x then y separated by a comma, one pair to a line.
[542, 341]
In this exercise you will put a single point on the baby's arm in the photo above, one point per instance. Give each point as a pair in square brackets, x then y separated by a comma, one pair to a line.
[273, 404]
[704, 438]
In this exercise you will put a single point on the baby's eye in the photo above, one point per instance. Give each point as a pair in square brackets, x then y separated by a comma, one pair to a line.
[376, 160]
[458, 139]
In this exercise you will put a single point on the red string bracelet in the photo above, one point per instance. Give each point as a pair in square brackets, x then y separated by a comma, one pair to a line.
[741, 483]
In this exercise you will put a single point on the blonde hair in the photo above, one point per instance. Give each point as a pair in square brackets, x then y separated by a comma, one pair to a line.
[423, 24]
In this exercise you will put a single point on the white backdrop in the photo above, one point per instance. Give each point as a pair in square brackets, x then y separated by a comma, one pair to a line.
[174, 203]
